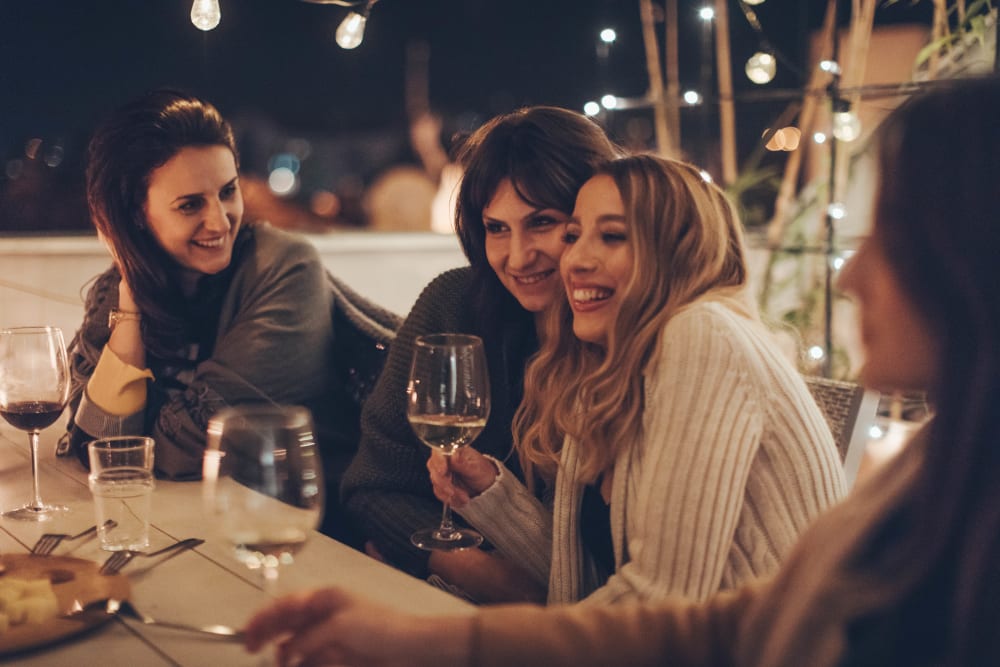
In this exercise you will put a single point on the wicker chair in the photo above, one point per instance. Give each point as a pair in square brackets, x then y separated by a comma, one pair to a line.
[850, 411]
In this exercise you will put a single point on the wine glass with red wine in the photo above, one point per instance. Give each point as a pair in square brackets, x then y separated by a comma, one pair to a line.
[34, 387]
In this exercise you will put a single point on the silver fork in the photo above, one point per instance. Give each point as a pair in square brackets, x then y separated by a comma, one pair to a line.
[112, 606]
[47, 543]
[120, 559]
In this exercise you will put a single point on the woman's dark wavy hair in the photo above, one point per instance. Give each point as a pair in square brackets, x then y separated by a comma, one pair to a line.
[126, 148]
[938, 216]
[547, 153]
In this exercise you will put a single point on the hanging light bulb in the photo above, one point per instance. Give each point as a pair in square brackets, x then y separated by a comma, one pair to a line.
[846, 126]
[206, 14]
[761, 67]
[754, 2]
[351, 30]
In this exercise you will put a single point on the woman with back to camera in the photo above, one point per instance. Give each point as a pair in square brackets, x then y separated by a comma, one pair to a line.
[688, 454]
[521, 174]
[200, 309]
[906, 571]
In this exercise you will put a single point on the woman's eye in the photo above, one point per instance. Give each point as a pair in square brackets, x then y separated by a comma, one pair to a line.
[613, 237]
[189, 206]
[543, 222]
[228, 192]
[570, 237]
[493, 227]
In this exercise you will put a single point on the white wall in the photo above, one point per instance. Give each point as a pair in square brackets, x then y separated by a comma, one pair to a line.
[43, 281]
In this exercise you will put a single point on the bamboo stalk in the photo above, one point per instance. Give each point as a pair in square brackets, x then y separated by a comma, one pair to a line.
[727, 115]
[656, 95]
[817, 80]
[854, 65]
[939, 31]
[672, 57]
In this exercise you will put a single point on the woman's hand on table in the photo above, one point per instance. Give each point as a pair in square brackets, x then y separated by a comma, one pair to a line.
[330, 627]
[461, 476]
[487, 576]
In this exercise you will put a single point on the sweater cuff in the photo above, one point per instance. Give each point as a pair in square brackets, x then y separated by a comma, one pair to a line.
[117, 388]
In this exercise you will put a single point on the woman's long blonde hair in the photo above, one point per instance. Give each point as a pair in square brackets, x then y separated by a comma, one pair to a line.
[686, 240]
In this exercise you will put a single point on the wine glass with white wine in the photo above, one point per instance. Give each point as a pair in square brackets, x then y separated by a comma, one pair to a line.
[34, 388]
[263, 483]
[448, 403]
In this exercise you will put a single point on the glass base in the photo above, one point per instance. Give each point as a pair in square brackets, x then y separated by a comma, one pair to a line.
[434, 539]
[35, 512]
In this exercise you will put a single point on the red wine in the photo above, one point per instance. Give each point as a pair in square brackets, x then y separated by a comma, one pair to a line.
[31, 415]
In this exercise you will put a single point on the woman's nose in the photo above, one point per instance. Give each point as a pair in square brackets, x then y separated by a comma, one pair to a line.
[577, 257]
[217, 218]
[522, 251]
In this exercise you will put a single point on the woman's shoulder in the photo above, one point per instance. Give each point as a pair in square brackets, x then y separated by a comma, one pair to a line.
[274, 243]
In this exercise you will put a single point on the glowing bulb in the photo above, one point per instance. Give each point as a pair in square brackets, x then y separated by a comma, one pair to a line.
[282, 181]
[816, 353]
[608, 35]
[836, 210]
[206, 14]
[692, 97]
[846, 126]
[351, 31]
[754, 2]
[875, 432]
[705, 176]
[706, 13]
[830, 66]
[760, 67]
[819, 137]
[609, 101]
[591, 108]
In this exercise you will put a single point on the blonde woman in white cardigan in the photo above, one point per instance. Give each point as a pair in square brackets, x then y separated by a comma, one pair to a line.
[686, 452]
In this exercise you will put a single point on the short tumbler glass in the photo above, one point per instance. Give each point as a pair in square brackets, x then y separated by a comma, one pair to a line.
[121, 479]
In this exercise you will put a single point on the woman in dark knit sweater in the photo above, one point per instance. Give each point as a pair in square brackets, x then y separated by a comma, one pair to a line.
[521, 174]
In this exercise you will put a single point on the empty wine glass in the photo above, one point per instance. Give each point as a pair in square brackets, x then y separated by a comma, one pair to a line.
[263, 483]
[448, 403]
[34, 388]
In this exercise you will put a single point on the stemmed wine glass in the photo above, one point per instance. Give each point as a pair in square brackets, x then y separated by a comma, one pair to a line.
[34, 388]
[448, 403]
[263, 483]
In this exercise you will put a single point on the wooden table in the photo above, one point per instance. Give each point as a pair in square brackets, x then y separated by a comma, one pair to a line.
[203, 586]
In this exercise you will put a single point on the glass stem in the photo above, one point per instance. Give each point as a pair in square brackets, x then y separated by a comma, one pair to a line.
[36, 496]
[446, 530]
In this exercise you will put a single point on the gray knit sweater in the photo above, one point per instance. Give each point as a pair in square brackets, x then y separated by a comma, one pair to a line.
[387, 489]
[273, 342]
[733, 462]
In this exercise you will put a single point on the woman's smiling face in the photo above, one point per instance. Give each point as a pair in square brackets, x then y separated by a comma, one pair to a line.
[194, 207]
[598, 261]
[523, 246]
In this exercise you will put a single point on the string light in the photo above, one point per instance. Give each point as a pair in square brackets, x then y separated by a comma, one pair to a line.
[351, 31]
[692, 97]
[846, 126]
[591, 108]
[819, 137]
[206, 14]
[608, 35]
[754, 2]
[609, 101]
[836, 210]
[830, 66]
[816, 353]
[706, 13]
[760, 68]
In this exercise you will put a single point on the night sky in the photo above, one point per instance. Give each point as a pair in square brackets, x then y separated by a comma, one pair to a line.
[273, 65]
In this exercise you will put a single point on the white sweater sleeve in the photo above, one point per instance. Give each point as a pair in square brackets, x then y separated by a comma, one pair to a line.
[515, 522]
[701, 431]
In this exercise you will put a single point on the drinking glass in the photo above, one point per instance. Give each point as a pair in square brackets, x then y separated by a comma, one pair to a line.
[263, 483]
[34, 388]
[448, 403]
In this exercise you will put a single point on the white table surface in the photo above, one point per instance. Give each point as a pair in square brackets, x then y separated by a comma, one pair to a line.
[205, 585]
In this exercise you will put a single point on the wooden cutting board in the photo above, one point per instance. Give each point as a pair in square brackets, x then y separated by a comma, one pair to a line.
[73, 580]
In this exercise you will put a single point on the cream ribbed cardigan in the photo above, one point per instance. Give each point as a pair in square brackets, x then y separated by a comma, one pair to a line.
[733, 462]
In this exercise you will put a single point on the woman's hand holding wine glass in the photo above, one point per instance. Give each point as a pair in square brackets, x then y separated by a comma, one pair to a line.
[34, 388]
[263, 482]
[448, 404]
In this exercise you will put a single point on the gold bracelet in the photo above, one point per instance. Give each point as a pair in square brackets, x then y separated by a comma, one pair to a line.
[116, 316]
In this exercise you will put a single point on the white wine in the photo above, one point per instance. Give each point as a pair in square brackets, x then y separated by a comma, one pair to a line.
[447, 432]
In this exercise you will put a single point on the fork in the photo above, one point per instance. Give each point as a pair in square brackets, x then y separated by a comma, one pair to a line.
[112, 606]
[47, 543]
[120, 559]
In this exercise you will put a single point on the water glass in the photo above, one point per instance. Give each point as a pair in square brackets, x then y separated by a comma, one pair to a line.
[121, 479]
